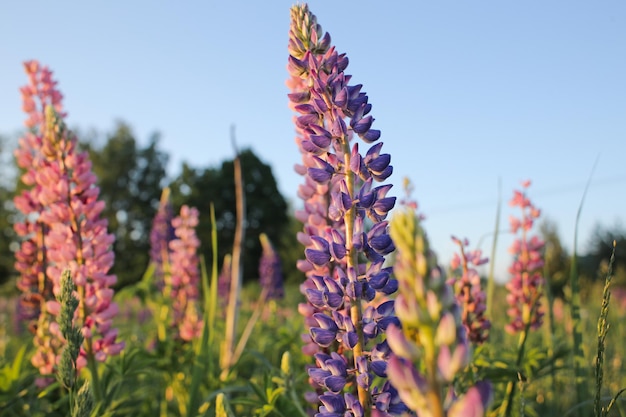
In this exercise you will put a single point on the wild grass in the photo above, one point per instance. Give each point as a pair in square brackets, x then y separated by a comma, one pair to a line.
[155, 378]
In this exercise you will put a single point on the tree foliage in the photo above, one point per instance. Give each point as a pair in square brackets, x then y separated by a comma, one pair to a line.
[7, 211]
[130, 178]
[266, 209]
[595, 264]
[557, 259]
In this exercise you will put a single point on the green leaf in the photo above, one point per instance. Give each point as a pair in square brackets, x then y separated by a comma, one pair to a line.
[10, 373]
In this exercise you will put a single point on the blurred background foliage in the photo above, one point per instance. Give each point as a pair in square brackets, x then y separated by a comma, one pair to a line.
[132, 174]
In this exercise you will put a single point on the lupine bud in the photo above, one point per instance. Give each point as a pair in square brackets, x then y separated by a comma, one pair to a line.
[433, 339]
[221, 405]
[84, 402]
[285, 363]
[73, 337]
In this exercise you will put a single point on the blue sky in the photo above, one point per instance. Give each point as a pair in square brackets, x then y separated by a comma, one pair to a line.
[466, 94]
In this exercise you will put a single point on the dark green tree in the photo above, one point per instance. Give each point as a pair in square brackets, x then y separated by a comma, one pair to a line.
[130, 178]
[594, 264]
[557, 260]
[7, 210]
[290, 250]
[266, 209]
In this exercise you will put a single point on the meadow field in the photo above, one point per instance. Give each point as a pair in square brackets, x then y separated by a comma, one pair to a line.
[368, 323]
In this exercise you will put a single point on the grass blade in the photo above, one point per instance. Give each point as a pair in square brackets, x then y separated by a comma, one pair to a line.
[603, 329]
[203, 349]
[492, 259]
[577, 336]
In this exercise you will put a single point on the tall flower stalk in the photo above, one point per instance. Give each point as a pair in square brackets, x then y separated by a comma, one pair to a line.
[65, 230]
[431, 345]
[224, 279]
[183, 281]
[344, 252]
[525, 286]
[270, 270]
[31, 260]
[161, 234]
[81, 400]
[271, 283]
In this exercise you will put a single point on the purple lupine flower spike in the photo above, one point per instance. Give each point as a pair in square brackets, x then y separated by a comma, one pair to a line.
[270, 270]
[161, 234]
[223, 280]
[346, 283]
[469, 293]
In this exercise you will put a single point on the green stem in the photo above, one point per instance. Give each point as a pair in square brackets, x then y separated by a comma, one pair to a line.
[93, 370]
[434, 388]
[232, 313]
[210, 303]
[550, 328]
[492, 260]
[296, 402]
[577, 335]
[510, 388]
[602, 330]
[243, 339]
[352, 262]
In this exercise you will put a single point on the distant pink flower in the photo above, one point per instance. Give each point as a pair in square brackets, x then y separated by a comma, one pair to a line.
[40, 92]
[524, 296]
[31, 257]
[468, 291]
[184, 279]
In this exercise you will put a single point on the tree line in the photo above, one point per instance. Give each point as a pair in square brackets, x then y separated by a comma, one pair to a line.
[131, 177]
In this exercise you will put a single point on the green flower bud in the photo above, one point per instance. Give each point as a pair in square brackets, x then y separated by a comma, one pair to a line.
[285, 363]
[84, 401]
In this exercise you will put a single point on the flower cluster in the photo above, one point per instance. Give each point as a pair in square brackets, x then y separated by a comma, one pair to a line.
[161, 234]
[344, 253]
[183, 281]
[469, 292]
[431, 347]
[224, 278]
[39, 93]
[35, 288]
[524, 296]
[270, 270]
[62, 229]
